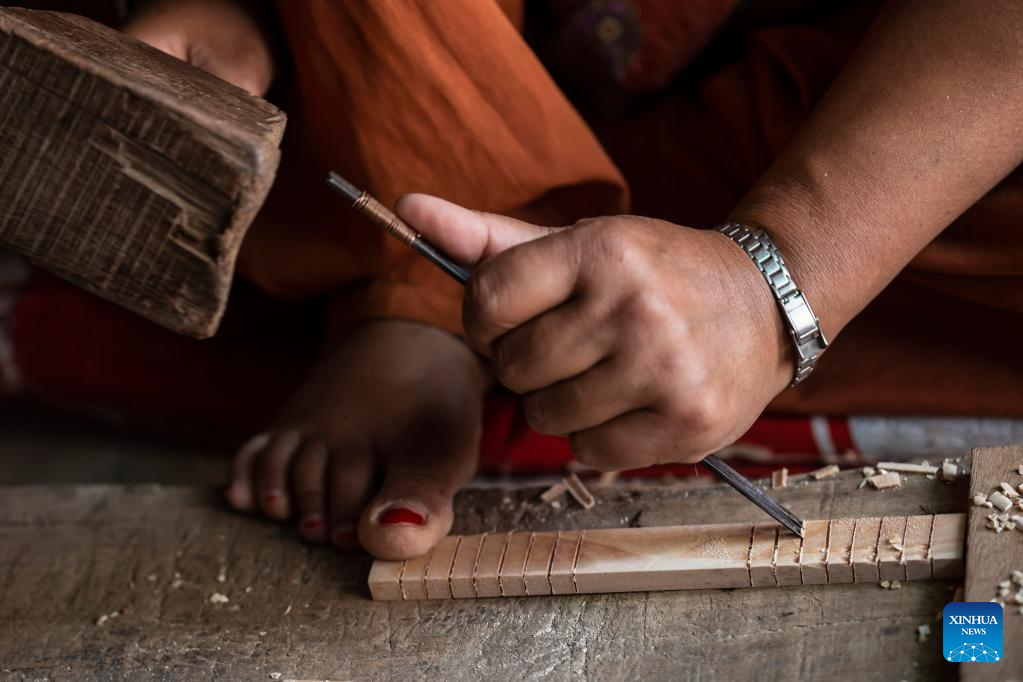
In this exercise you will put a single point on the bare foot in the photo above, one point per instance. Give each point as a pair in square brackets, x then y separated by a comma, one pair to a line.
[374, 446]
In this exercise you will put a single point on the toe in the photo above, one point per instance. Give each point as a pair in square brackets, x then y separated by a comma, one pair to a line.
[413, 510]
[350, 477]
[241, 491]
[308, 487]
[272, 467]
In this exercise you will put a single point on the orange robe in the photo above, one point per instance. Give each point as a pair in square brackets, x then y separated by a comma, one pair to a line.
[448, 98]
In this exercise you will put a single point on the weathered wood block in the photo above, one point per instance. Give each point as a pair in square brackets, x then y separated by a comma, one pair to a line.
[990, 557]
[125, 171]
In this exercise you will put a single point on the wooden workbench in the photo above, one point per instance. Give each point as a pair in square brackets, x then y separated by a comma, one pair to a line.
[152, 556]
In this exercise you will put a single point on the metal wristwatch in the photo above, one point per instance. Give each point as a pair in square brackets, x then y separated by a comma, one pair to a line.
[803, 325]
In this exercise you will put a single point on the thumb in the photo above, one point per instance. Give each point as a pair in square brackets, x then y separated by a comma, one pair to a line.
[470, 237]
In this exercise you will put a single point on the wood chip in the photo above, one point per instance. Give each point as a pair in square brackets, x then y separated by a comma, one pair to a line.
[217, 598]
[1000, 501]
[554, 492]
[868, 472]
[922, 633]
[779, 478]
[825, 472]
[979, 499]
[885, 481]
[907, 467]
[579, 491]
[949, 471]
[1008, 490]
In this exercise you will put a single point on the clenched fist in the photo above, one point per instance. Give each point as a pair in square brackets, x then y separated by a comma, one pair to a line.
[643, 341]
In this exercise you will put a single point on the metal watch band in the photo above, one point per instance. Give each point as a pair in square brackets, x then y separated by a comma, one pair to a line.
[803, 325]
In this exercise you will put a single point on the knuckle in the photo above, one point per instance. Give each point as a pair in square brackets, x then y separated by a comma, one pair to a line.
[701, 412]
[620, 244]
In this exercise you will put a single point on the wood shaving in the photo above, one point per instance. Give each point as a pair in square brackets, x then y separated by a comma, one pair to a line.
[922, 633]
[907, 467]
[979, 500]
[779, 478]
[217, 598]
[949, 471]
[1000, 501]
[825, 472]
[553, 493]
[868, 472]
[107, 616]
[579, 491]
[885, 481]
[1008, 490]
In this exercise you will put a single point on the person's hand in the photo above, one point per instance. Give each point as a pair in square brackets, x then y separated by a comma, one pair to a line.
[222, 37]
[643, 341]
[374, 447]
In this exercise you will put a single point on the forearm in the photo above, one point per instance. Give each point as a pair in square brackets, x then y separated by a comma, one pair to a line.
[924, 120]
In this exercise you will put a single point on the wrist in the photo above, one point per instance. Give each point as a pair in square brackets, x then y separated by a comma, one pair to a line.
[800, 322]
[769, 348]
[789, 218]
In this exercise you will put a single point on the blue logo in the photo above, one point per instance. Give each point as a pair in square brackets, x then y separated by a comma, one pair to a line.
[972, 632]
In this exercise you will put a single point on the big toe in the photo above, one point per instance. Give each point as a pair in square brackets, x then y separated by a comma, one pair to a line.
[407, 518]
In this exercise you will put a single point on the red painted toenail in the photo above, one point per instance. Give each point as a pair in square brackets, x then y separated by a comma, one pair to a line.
[313, 522]
[396, 515]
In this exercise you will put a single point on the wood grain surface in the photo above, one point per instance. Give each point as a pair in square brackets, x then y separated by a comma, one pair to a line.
[152, 555]
[669, 558]
[991, 558]
[125, 171]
